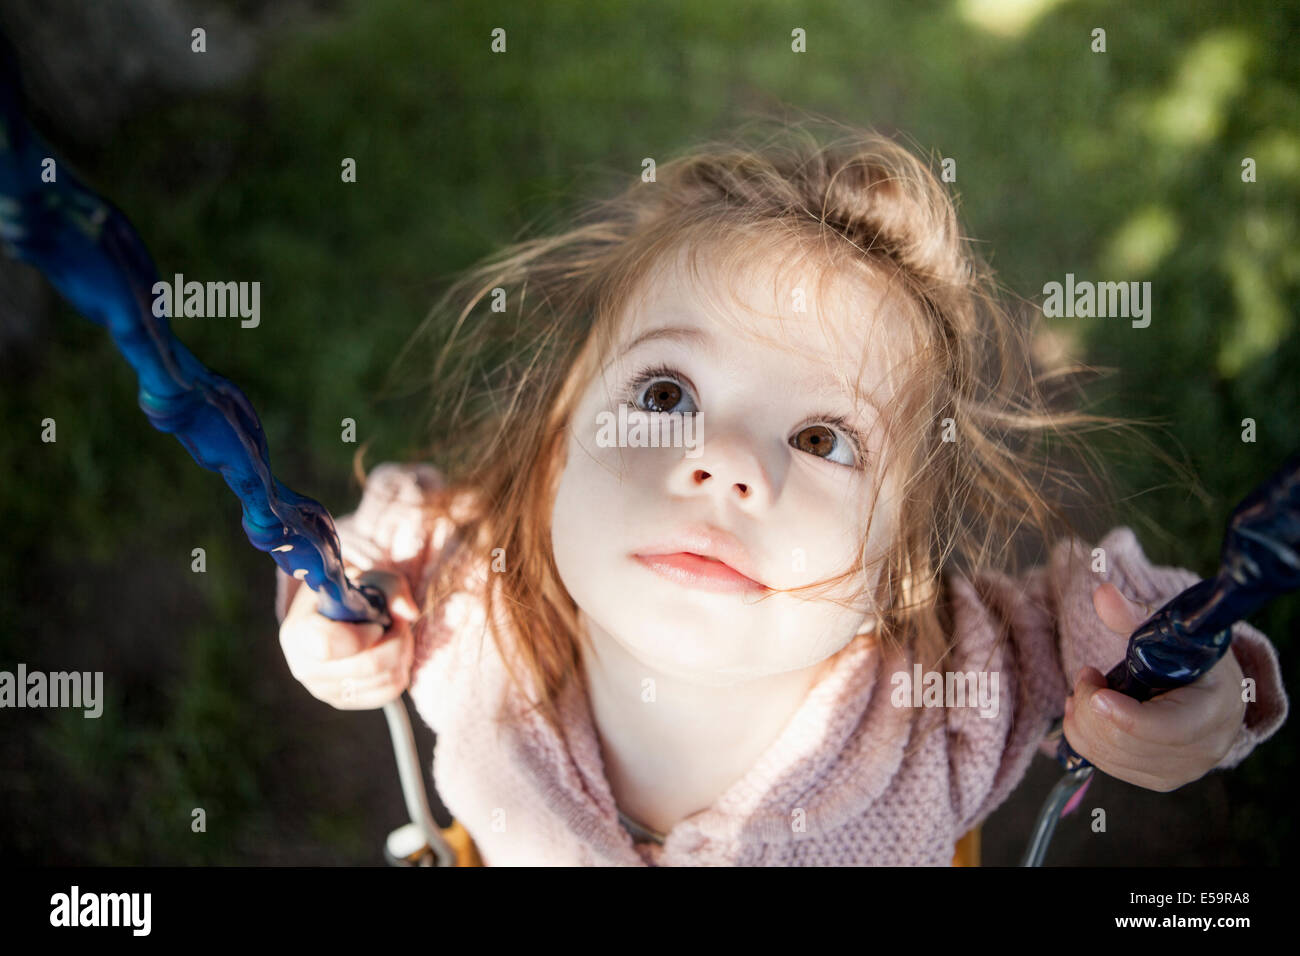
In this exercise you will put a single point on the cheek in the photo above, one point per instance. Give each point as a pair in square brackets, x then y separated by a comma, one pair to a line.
[828, 527]
[830, 530]
[584, 517]
[566, 527]
[602, 485]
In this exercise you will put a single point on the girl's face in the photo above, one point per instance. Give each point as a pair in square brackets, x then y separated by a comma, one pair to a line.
[771, 479]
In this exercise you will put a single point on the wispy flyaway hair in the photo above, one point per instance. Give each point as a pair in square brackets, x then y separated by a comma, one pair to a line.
[985, 461]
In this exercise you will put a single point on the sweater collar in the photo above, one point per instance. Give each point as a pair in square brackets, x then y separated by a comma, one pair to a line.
[830, 762]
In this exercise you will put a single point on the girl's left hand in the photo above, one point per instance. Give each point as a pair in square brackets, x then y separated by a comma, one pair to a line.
[1165, 742]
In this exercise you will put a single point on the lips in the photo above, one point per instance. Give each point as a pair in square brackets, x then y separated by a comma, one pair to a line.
[703, 557]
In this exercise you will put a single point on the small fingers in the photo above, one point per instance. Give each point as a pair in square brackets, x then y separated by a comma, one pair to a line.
[1170, 719]
[1150, 771]
[359, 693]
[388, 655]
[1159, 744]
[319, 640]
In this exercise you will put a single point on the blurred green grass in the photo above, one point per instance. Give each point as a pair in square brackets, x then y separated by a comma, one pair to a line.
[1123, 165]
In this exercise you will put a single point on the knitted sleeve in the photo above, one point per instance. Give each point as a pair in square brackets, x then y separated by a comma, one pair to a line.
[1036, 632]
[398, 528]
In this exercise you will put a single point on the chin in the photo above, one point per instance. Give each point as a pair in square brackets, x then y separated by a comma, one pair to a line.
[699, 654]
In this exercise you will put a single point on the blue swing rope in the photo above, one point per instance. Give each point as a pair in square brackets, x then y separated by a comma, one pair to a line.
[90, 252]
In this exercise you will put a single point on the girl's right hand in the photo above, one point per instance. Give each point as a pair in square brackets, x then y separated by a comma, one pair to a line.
[351, 666]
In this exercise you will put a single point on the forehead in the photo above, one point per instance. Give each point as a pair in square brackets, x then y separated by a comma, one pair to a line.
[835, 328]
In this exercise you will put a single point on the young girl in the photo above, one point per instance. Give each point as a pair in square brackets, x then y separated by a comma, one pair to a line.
[787, 629]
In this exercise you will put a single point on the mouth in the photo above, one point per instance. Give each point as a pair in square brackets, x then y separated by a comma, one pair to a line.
[703, 573]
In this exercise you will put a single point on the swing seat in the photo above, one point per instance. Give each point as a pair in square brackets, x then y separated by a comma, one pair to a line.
[967, 851]
[459, 840]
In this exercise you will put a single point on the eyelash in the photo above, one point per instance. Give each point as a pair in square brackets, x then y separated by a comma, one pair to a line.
[651, 373]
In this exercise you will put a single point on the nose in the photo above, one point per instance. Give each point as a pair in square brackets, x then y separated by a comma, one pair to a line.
[728, 467]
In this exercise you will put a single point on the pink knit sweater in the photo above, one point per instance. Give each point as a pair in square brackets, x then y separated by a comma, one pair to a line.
[835, 787]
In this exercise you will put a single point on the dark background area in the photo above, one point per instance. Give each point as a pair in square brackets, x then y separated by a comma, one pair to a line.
[1121, 166]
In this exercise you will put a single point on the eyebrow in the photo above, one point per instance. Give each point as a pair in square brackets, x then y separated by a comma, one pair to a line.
[705, 341]
[689, 336]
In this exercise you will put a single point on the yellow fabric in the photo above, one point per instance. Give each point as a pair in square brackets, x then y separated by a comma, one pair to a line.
[459, 840]
[967, 851]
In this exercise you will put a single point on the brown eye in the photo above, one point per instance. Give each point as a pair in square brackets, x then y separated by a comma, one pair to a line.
[816, 440]
[661, 396]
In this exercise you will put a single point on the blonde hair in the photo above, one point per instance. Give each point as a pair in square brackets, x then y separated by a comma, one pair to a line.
[504, 383]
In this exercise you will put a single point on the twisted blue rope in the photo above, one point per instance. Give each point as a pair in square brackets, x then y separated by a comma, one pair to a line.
[89, 251]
